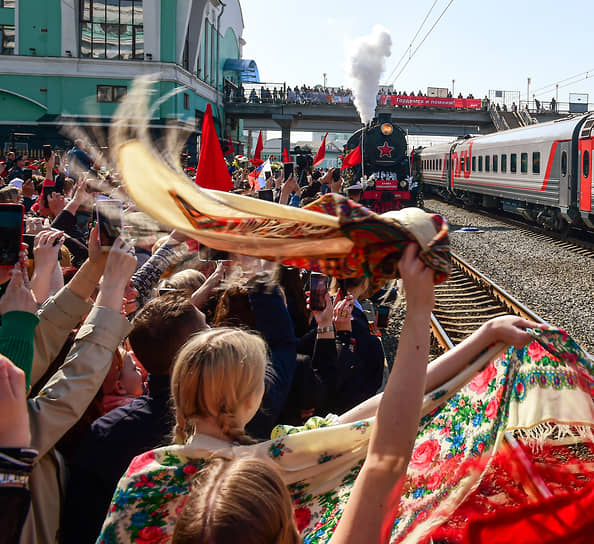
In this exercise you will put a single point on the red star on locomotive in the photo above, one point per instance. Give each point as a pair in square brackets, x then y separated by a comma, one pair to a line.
[385, 150]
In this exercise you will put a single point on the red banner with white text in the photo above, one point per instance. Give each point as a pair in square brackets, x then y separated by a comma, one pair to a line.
[430, 102]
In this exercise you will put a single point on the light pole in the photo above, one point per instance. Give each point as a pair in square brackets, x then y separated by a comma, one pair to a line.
[557, 92]
[324, 74]
[453, 89]
[528, 91]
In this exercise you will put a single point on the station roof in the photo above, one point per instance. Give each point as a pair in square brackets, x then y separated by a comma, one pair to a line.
[247, 68]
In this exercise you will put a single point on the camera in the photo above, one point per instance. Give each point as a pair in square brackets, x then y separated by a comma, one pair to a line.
[304, 162]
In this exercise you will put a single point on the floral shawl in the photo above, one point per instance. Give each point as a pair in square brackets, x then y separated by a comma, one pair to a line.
[520, 390]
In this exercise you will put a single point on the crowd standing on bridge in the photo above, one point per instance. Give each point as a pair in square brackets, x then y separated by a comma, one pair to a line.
[149, 388]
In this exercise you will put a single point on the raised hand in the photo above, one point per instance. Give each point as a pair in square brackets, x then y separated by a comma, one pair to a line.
[418, 281]
[511, 330]
[18, 296]
[56, 203]
[121, 264]
[343, 309]
[14, 418]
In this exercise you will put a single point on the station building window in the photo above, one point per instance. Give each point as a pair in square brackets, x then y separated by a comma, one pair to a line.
[488, 163]
[586, 164]
[480, 165]
[524, 163]
[474, 164]
[504, 163]
[536, 163]
[7, 3]
[111, 93]
[7, 39]
[186, 101]
[495, 161]
[513, 163]
[112, 29]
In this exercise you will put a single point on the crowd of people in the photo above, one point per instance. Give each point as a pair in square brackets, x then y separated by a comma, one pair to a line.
[142, 382]
[305, 94]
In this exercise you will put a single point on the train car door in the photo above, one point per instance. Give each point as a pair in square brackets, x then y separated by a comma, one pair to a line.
[564, 173]
[585, 177]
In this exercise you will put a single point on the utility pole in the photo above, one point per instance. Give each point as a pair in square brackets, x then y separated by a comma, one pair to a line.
[557, 92]
[453, 89]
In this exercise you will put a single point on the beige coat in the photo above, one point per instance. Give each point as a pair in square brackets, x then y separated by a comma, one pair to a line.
[64, 399]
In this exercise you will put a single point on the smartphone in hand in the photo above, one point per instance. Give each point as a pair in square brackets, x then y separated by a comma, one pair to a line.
[110, 220]
[318, 287]
[11, 233]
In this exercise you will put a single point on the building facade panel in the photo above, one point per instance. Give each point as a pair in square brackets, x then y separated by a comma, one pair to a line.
[73, 59]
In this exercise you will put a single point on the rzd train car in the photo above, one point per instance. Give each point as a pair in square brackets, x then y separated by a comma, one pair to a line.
[542, 172]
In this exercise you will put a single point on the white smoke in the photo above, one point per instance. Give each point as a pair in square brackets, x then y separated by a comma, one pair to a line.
[365, 64]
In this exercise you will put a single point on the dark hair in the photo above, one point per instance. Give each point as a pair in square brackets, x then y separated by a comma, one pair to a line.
[290, 280]
[234, 309]
[161, 328]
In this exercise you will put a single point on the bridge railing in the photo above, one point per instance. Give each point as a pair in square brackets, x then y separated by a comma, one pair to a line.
[555, 107]
[280, 93]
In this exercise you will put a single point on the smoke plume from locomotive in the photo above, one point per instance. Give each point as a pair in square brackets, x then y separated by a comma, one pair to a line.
[365, 65]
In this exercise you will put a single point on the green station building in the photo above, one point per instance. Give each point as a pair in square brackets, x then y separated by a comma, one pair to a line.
[67, 63]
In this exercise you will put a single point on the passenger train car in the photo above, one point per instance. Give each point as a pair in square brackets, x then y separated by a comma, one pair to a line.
[542, 171]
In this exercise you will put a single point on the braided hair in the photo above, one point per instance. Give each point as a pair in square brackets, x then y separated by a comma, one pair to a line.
[214, 375]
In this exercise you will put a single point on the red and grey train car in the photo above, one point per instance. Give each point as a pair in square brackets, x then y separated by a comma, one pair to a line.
[542, 171]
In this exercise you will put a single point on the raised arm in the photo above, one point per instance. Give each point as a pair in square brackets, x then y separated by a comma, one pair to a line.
[398, 415]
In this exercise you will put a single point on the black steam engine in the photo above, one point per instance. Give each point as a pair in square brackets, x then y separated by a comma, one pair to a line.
[384, 167]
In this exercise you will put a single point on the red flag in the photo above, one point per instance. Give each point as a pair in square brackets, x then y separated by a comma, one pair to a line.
[286, 156]
[257, 160]
[352, 159]
[212, 172]
[231, 150]
[319, 158]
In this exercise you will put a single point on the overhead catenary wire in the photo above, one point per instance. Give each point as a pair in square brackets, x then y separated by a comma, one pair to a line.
[423, 40]
[552, 86]
[409, 48]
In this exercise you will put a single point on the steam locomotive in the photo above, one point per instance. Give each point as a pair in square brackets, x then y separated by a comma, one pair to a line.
[384, 163]
[542, 172]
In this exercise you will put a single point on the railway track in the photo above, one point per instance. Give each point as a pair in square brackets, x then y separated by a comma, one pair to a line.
[466, 301]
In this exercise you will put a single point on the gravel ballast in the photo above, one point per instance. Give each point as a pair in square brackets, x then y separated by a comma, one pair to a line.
[554, 283]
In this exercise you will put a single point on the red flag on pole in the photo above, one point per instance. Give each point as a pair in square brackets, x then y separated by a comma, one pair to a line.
[352, 159]
[319, 158]
[231, 149]
[286, 156]
[257, 160]
[212, 172]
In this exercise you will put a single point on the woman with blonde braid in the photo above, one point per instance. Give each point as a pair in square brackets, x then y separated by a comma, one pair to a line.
[217, 386]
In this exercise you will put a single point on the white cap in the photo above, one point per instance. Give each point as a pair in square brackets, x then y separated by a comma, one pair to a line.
[17, 182]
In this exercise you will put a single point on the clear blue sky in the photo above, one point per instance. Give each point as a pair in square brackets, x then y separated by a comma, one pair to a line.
[482, 45]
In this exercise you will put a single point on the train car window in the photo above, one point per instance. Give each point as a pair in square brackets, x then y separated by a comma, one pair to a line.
[487, 163]
[474, 164]
[524, 163]
[495, 161]
[564, 163]
[440, 164]
[513, 163]
[468, 164]
[504, 163]
[536, 162]
[462, 163]
[480, 168]
[586, 164]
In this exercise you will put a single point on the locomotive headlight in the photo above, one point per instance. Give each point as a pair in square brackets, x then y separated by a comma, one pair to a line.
[403, 183]
[387, 129]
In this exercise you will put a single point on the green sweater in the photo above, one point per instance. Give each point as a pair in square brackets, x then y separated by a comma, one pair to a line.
[17, 334]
